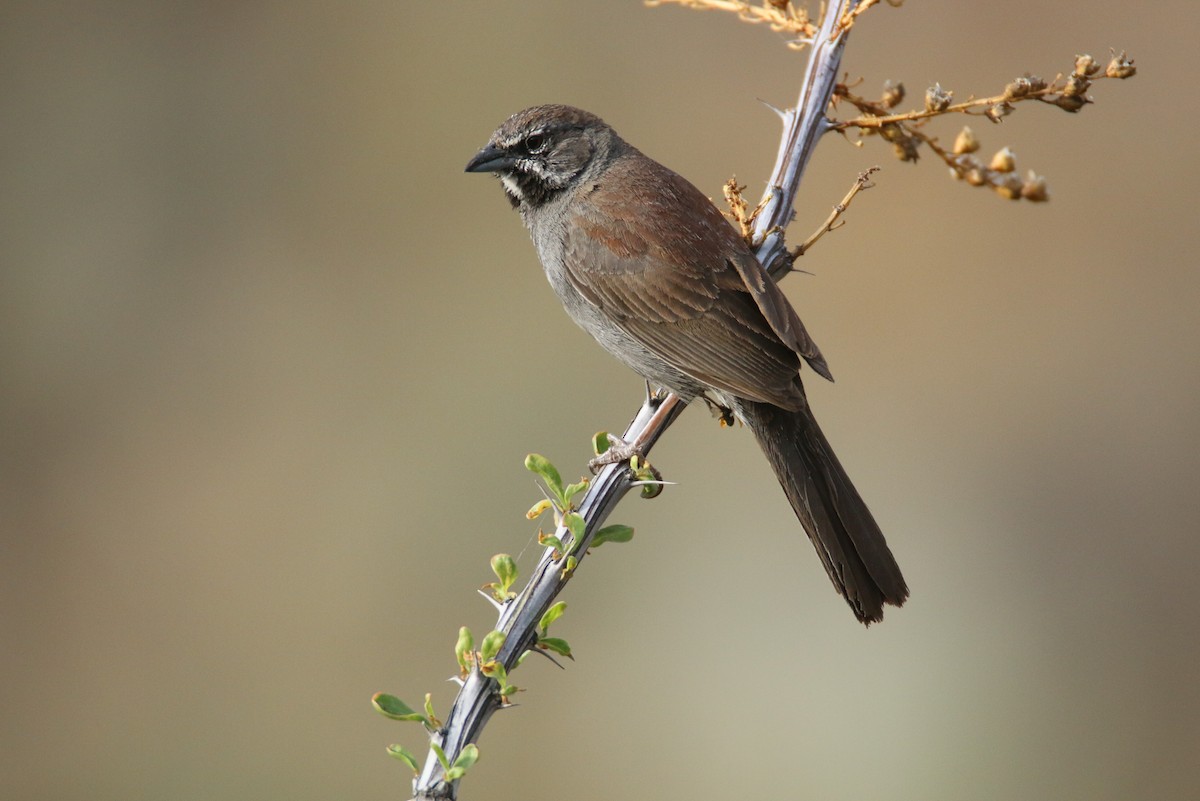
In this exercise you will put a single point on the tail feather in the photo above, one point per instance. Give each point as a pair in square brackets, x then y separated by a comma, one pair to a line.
[846, 536]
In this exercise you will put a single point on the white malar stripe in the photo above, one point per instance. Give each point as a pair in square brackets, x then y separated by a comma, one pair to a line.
[510, 186]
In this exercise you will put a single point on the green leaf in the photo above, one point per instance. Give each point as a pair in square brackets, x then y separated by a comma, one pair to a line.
[649, 477]
[538, 509]
[613, 533]
[557, 645]
[552, 614]
[497, 672]
[505, 569]
[392, 707]
[441, 755]
[433, 721]
[600, 442]
[491, 645]
[463, 648]
[521, 658]
[577, 526]
[454, 774]
[574, 489]
[550, 541]
[536, 463]
[468, 757]
[405, 756]
[572, 562]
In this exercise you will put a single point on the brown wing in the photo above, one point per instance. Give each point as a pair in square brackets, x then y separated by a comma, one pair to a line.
[693, 294]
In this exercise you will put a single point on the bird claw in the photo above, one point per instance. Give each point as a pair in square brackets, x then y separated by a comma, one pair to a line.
[723, 413]
[618, 451]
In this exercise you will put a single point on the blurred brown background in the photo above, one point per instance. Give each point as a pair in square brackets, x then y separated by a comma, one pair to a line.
[269, 364]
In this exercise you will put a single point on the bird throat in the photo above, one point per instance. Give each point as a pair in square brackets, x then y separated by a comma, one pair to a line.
[521, 186]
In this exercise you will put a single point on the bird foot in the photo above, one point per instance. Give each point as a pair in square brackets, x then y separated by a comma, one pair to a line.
[723, 413]
[618, 451]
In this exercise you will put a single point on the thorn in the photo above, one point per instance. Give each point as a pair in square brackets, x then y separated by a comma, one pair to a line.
[783, 115]
[547, 655]
[457, 680]
[499, 606]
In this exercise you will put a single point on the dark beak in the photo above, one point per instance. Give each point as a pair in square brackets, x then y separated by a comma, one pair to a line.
[491, 159]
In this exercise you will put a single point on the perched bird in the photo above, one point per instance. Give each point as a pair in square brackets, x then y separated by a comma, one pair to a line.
[647, 265]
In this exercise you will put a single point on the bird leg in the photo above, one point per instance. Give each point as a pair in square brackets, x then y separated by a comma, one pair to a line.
[618, 451]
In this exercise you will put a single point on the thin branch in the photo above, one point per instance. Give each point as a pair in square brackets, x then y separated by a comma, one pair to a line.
[905, 131]
[863, 182]
[479, 697]
[782, 17]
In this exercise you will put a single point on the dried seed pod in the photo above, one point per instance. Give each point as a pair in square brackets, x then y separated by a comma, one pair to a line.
[1076, 86]
[965, 142]
[1034, 188]
[1018, 88]
[937, 98]
[893, 94]
[1004, 161]
[1009, 186]
[1071, 103]
[962, 165]
[1120, 67]
[999, 111]
[1086, 66]
[1036, 84]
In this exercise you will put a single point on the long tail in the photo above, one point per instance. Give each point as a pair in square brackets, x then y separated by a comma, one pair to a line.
[846, 537]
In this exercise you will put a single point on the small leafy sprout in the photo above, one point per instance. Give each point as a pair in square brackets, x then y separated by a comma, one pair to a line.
[490, 647]
[561, 503]
[536, 463]
[538, 509]
[392, 707]
[556, 644]
[463, 763]
[436, 748]
[464, 651]
[600, 442]
[437, 724]
[613, 533]
[405, 756]
[551, 541]
[577, 526]
[505, 569]
[572, 562]
[561, 496]
[552, 614]
[649, 477]
[502, 686]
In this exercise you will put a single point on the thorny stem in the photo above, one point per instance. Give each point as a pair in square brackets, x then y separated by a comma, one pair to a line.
[478, 698]
[803, 126]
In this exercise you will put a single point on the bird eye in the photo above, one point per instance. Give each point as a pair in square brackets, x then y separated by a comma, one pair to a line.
[536, 142]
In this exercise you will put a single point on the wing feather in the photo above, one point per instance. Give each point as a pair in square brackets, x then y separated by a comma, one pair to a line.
[695, 295]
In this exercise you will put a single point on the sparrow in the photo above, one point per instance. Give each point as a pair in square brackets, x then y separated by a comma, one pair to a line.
[646, 264]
